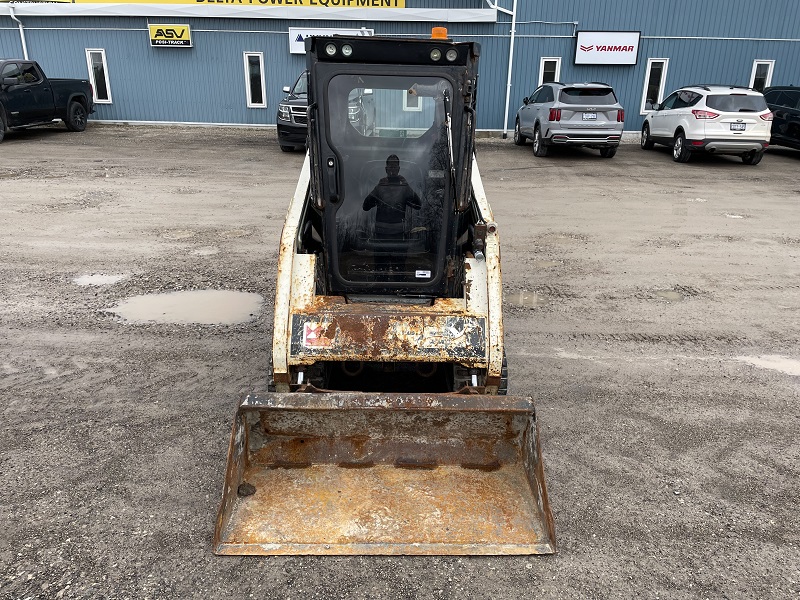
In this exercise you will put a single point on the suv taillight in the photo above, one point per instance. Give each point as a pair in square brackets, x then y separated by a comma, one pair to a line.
[555, 114]
[704, 114]
[767, 116]
[621, 115]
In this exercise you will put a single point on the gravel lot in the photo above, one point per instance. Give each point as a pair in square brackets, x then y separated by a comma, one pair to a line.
[652, 308]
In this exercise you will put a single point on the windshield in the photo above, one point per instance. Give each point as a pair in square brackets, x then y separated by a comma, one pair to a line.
[301, 85]
[391, 138]
[737, 103]
[599, 96]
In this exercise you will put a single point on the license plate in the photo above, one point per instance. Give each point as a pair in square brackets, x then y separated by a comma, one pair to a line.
[590, 116]
[738, 126]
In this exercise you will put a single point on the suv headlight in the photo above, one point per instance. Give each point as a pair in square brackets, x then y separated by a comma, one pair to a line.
[284, 112]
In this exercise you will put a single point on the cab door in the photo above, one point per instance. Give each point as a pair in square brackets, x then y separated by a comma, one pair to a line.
[42, 106]
[15, 97]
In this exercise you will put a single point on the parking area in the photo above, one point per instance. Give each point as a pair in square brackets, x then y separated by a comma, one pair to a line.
[651, 308]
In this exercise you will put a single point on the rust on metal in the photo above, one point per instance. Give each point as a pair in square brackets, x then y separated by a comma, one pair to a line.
[387, 336]
[385, 474]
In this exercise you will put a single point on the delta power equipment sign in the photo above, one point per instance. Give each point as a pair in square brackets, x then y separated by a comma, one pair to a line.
[607, 48]
[170, 35]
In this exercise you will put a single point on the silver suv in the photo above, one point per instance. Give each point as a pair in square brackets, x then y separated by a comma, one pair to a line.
[571, 114]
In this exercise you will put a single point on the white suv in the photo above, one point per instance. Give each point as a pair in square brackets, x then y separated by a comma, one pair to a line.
[710, 118]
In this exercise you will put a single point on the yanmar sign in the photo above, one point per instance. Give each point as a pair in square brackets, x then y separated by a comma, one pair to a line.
[607, 48]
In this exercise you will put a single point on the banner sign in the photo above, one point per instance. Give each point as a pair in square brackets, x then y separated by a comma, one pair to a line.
[170, 35]
[274, 3]
[298, 35]
[607, 48]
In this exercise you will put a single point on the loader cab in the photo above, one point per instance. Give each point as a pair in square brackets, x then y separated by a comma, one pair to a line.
[391, 145]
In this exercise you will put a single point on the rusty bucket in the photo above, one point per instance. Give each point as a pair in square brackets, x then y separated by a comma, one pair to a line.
[354, 473]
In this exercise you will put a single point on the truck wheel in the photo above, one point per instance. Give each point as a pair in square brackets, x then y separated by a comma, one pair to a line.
[287, 148]
[2, 127]
[76, 117]
[540, 149]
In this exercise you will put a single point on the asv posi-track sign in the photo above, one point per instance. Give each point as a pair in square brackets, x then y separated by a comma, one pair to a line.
[607, 47]
[170, 35]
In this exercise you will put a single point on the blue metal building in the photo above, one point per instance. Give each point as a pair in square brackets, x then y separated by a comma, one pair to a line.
[239, 57]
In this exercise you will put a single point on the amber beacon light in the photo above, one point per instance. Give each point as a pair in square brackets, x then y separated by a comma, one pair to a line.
[439, 33]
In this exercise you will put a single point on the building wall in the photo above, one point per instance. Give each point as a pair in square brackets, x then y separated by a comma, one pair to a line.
[710, 42]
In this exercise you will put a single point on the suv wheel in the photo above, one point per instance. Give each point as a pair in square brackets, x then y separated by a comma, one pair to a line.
[753, 157]
[646, 141]
[539, 147]
[519, 139]
[680, 153]
[608, 152]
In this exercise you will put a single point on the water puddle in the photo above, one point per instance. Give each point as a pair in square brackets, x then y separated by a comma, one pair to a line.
[774, 362]
[669, 295]
[234, 233]
[206, 251]
[545, 264]
[100, 279]
[204, 307]
[178, 234]
[528, 299]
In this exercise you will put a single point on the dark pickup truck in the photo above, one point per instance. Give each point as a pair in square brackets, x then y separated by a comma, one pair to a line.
[28, 97]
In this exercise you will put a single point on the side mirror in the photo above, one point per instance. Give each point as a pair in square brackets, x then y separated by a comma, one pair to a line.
[525, 101]
[286, 89]
[656, 106]
[9, 81]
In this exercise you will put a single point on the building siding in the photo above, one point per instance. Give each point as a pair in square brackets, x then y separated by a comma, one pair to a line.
[711, 42]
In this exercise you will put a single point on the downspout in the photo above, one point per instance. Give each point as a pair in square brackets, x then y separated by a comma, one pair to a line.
[510, 64]
[21, 31]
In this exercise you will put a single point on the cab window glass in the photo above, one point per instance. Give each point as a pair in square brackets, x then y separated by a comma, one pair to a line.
[30, 74]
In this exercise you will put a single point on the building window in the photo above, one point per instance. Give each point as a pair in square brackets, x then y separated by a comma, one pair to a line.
[549, 69]
[761, 76]
[411, 102]
[98, 75]
[654, 79]
[254, 79]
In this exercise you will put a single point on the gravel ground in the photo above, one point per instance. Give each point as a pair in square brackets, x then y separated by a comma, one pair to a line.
[652, 308]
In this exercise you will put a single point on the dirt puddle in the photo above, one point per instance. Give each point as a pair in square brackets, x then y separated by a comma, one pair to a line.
[774, 362]
[99, 279]
[204, 307]
[529, 299]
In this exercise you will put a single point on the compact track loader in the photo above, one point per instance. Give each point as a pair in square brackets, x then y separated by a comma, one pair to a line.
[388, 430]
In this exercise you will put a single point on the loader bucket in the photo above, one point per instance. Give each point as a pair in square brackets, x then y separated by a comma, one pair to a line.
[355, 473]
